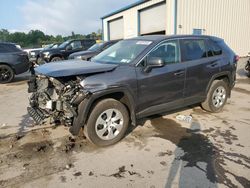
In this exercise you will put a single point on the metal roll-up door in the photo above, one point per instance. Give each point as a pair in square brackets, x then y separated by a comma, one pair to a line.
[116, 29]
[153, 19]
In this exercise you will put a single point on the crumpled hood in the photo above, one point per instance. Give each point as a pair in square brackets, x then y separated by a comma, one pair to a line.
[73, 68]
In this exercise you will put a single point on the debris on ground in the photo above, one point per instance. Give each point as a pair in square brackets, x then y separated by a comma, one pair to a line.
[185, 118]
[25, 165]
[163, 163]
[168, 152]
[77, 174]
[40, 148]
[69, 166]
[3, 125]
[91, 173]
[120, 173]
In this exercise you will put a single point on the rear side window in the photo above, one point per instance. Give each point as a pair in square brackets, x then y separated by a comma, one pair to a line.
[215, 49]
[7, 48]
[193, 49]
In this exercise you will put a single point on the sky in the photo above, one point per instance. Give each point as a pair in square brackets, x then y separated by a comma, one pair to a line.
[56, 17]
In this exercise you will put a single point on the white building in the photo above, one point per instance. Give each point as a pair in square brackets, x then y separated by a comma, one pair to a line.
[228, 19]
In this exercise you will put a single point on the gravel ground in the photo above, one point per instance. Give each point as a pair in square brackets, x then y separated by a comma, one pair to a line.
[211, 151]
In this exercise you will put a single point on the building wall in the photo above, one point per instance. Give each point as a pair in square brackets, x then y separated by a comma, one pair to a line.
[130, 17]
[228, 19]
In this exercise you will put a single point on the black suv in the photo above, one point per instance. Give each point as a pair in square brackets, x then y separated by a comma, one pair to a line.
[132, 79]
[35, 54]
[63, 51]
[13, 61]
[93, 50]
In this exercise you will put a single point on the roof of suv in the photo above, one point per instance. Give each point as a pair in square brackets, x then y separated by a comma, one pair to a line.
[163, 37]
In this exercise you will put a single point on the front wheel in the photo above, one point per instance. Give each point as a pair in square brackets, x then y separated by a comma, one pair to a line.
[107, 123]
[54, 59]
[216, 96]
[6, 74]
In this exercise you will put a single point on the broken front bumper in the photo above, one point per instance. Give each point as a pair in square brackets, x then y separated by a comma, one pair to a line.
[37, 115]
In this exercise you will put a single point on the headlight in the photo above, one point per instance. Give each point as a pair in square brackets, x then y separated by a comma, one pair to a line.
[46, 53]
[32, 53]
[78, 57]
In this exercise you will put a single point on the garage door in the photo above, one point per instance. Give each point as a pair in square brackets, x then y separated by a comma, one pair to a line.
[153, 20]
[116, 29]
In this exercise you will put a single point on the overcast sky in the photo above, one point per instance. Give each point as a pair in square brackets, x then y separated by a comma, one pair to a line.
[57, 16]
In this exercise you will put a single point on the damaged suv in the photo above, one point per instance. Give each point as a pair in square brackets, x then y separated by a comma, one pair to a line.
[132, 79]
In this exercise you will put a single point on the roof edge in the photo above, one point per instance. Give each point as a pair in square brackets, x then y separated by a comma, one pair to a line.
[125, 8]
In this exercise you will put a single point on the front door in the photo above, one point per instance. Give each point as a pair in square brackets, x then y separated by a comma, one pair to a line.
[162, 87]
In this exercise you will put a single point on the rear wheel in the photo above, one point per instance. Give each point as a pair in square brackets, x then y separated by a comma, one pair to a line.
[216, 96]
[6, 74]
[56, 59]
[107, 123]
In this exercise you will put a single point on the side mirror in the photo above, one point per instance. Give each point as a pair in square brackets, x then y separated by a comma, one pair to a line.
[153, 62]
[69, 47]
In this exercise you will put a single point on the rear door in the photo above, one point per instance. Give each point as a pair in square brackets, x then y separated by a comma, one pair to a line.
[201, 64]
[161, 88]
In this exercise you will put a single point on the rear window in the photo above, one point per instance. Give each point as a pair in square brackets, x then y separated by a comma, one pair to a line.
[193, 49]
[7, 48]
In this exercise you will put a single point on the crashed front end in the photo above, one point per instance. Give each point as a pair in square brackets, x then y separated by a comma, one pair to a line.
[55, 100]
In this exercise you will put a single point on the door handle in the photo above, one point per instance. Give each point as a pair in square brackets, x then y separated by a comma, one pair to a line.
[213, 64]
[179, 73]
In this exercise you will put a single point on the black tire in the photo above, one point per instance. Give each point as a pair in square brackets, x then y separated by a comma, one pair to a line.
[208, 103]
[6, 74]
[56, 59]
[98, 109]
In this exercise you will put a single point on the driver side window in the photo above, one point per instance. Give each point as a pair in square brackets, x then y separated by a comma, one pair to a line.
[76, 45]
[167, 51]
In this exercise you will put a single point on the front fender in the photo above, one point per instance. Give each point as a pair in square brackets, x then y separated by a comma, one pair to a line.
[85, 107]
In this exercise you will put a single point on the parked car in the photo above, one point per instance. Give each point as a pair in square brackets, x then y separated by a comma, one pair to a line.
[132, 79]
[93, 50]
[65, 49]
[35, 53]
[13, 61]
[247, 66]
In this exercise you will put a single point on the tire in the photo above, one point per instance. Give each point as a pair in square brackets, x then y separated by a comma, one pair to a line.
[97, 133]
[216, 98]
[40, 61]
[6, 74]
[56, 59]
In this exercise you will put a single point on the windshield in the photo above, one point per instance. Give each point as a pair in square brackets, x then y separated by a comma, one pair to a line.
[48, 46]
[122, 52]
[55, 46]
[63, 45]
[95, 47]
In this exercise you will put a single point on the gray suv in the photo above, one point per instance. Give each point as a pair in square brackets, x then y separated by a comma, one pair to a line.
[133, 79]
[13, 61]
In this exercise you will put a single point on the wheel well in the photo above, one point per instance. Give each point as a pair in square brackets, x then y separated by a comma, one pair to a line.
[224, 78]
[119, 96]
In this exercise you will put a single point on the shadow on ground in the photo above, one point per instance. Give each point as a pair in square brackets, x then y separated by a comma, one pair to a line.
[194, 147]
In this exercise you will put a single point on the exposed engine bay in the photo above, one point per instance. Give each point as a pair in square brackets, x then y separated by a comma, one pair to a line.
[55, 100]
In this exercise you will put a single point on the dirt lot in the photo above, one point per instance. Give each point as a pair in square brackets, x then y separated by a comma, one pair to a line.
[211, 151]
